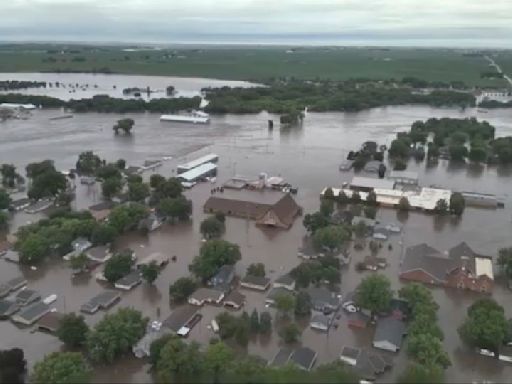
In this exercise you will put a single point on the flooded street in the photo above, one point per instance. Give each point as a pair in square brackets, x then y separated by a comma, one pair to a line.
[307, 157]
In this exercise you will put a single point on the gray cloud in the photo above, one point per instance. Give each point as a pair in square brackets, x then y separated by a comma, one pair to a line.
[393, 22]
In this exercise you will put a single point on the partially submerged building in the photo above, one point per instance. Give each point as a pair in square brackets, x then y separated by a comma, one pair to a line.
[404, 177]
[389, 334]
[27, 296]
[50, 322]
[100, 253]
[129, 281]
[367, 364]
[158, 258]
[101, 210]
[30, 314]
[206, 295]
[210, 158]
[258, 283]
[303, 357]
[223, 278]
[234, 300]
[198, 173]
[180, 317]
[285, 281]
[104, 301]
[267, 208]
[367, 184]
[274, 293]
[8, 308]
[322, 299]
[460, 268]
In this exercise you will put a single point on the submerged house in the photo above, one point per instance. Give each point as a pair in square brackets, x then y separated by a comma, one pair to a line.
[460, 268]
[389, 334]
[223, 278]
[267, 208]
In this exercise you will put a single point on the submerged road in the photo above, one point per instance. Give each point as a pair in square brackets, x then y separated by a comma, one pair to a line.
[499, 70]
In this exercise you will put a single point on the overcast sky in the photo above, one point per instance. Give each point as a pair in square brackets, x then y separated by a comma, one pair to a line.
[464, 23]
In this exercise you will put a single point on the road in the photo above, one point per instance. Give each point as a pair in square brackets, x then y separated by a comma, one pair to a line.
[499, 70]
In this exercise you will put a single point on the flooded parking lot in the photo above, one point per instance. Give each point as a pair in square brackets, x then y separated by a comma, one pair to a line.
[307, 157]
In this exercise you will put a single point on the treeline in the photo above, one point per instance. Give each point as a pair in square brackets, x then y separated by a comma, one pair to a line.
[7, 85]
[106, 104]
[493, 104]
[347, 96]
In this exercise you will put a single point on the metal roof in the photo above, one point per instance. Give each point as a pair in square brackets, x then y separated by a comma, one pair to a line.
[212, 157]
[197, 172]
[371, 182]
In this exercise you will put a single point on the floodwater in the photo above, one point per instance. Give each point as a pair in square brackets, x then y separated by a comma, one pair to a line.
[86, 85]
[308, 157]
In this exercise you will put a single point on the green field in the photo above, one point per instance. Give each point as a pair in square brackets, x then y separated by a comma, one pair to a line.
[254, 63]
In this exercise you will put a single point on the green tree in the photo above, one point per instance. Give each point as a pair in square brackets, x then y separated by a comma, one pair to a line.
[218, 359]
[88, 163]
[265, 323]
[477, 154]
[121, 163]
[242, 331]
[424, 324]
[371, 199]
[78, 262]
[419, 298]
[399, 148]
[457, 203]
[5, 199]
[403, 204]
[13, 366]
[505, 261]
[175, 208]
[213, 255]
[118, 266]
[138, 191]
[179, 362]
[303, 304]
[10, 177]
[290, 333]
[255, 322]
[328, 193]
[315, 221]
[4, 221]
[33, 249]
[170, 189]
[103, 234]
[111, 187]
[156, 181]
[326, 207]
[115, 334]
[125, 125]
[127, 217]
[62, 368]
[46, 180]
[343, 199]
[212, 228]
[285, 303]
[427, 350]
[433, 151]
[441, 207]
[150, 272]
[421, 374]
[374, 293]
[73, 330]
[331, 237]
[485, 325]
[182, 288]
[156, 347]
[256, 269]
[370, 211]
[400, 164]
[458, 152]
[360, 229]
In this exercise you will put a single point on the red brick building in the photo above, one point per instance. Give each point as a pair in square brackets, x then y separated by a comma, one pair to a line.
[460, 268]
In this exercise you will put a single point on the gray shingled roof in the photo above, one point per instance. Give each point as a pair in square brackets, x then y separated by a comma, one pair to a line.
[304, 357]
[428, 259]
[282, 356]
[391, 330]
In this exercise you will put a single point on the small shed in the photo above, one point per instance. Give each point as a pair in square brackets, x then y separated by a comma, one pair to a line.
[259, 283]
[129, 281]
[234, 300]
[49, 322]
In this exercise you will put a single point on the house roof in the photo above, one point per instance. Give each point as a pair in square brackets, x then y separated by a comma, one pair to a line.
[8, 307]
[130, 279]
[179, 317]
[206, 294]
[50, 321]
[33, 311]
[281, 357]
[103, 300]
[285, 280]
[224, 272]
[27, 295]
[157, 257]
[350, 352]
[235, 297]
[275, 292]
[391, 330]
[16, 282]
[254, 204]
[320, 318]
[12, 256]
[403, 175]
[304, 357]
[321, 296]
[99, 252]
[102, 206]
[261, 281]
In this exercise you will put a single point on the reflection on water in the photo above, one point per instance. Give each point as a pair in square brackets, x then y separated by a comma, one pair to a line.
[308, 157]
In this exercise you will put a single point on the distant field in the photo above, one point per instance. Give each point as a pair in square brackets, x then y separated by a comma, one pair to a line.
[254, 63]
[504, 60]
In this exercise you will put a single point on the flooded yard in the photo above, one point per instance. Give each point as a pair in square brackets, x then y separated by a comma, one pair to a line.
[308, 158]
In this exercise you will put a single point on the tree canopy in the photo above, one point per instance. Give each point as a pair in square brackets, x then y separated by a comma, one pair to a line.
[212, 228]
[73, 330]
[115, 334]
[213, 255]
[374, 293]
[62, 368]
[182, 288]
[331, 237]
[118, 266]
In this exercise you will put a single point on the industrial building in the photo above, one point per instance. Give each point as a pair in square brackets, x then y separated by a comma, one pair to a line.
[198, 173]
[210, 158]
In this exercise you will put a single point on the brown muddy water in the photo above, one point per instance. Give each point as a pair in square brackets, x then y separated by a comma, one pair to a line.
[308, 157]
